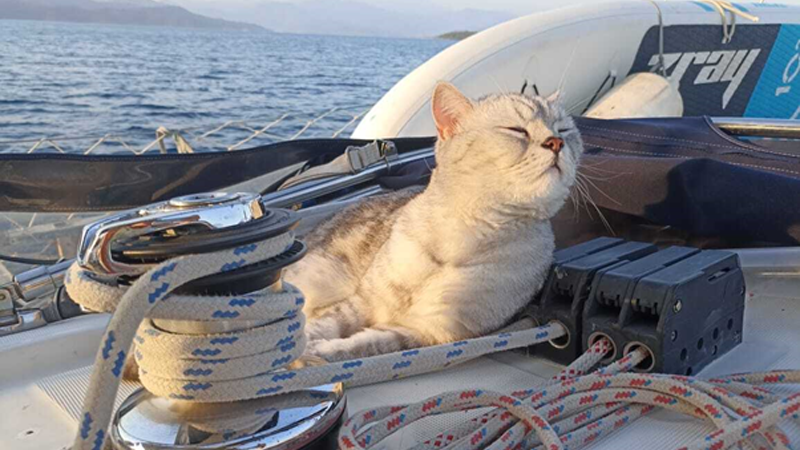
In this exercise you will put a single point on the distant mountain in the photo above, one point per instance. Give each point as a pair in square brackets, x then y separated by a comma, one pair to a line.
[347, 17]
[127, 12]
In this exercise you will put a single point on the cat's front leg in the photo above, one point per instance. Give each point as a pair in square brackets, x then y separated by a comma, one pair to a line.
[337, 321]
[367, 342]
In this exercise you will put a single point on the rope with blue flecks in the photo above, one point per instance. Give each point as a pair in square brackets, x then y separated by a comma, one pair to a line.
[238, 365]
[574, 410]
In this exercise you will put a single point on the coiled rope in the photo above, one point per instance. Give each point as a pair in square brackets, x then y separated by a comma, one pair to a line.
[231, 366]
[575, 410]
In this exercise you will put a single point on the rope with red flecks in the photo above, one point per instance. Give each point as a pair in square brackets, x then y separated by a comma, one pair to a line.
[574, 410]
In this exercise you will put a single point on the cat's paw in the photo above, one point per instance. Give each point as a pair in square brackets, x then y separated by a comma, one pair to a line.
[321, 329]
[313, 333]
[329, 350]
[313, 347]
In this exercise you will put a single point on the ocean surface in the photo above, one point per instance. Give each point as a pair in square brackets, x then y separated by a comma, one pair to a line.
[86, 80]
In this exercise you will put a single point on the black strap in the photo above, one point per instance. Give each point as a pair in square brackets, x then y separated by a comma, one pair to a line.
[78, 183]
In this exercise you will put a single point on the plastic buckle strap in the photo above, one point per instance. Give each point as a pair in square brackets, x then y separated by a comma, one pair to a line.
[364, 156]
[354, 160]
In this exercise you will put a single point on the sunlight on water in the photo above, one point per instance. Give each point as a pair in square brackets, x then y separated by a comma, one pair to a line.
[85, 79]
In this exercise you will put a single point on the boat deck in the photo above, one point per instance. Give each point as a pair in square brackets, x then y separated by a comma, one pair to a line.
[46, 371]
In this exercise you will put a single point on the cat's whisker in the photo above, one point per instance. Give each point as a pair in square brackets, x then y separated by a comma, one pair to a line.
[597, 171]
[597, 188]
[605, 221]
[596, 166]
[597, 178]
[574, 200]
[577, 200]
[587, 200]
[585, 193]
[589, 182]
[591, 201]
[583, 196]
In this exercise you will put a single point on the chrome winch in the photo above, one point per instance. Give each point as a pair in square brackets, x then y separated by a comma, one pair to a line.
[122, 247]
[129, 243]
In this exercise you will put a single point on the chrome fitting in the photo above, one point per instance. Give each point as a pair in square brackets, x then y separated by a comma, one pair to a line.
[212, 211]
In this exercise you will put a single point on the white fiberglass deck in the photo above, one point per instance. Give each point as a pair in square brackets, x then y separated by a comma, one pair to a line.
[43, 373]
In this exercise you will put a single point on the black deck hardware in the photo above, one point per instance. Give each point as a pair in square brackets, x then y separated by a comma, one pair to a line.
[568, 286]
[686, 306]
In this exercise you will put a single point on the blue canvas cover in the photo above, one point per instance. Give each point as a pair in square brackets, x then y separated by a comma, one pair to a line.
[683, 173]
[688, 174]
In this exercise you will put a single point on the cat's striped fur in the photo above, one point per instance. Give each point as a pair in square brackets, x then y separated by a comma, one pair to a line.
[457, 259]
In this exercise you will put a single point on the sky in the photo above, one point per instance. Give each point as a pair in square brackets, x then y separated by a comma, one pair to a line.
[513, 6]
[517, 7]
[398, 18]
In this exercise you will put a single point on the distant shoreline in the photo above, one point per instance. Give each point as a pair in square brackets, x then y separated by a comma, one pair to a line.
[234, 30]
[255, 29]
[89, 12]
[317, 17]
[456, 35]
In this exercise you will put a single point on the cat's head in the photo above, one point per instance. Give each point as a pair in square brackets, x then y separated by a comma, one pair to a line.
[519, 151]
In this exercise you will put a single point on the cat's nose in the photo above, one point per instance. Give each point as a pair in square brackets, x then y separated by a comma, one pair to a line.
[553, 144]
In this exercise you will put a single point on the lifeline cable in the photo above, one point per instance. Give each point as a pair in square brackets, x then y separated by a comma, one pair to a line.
[231, 366]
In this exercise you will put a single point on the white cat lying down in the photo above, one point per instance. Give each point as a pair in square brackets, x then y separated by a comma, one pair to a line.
[457, 259]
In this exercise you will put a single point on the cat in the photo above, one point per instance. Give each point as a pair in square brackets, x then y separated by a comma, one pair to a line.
[457, 259]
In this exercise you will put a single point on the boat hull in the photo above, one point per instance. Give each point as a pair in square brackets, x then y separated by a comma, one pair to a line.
[584, 51]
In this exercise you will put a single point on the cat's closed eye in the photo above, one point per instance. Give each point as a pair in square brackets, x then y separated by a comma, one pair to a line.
[518, 130]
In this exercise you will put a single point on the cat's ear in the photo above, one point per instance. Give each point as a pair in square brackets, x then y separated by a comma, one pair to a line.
[449, 107]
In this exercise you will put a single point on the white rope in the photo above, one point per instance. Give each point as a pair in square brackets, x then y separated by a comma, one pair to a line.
[580, 410]
[238, 365]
